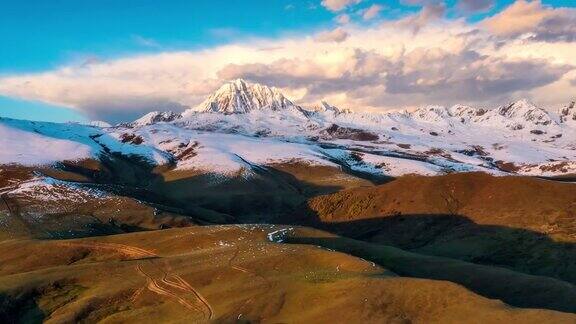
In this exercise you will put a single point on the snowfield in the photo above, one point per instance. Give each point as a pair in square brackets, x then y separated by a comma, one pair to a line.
[34, 143]
[41, 143]
[225, 153]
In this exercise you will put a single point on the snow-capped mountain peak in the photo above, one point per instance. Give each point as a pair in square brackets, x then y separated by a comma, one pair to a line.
[431, 114]
[155, 117]
[240, 96]
[568, 113]
[441, 114]
[525, 111]
[466, 113]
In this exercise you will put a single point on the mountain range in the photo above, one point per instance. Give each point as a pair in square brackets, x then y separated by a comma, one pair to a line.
[245, 125]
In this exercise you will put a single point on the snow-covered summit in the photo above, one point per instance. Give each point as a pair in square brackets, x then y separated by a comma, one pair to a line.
[568, 113]
[155, 117]
[467, 113]
[431, 114]
[526, 111]
[240, 96]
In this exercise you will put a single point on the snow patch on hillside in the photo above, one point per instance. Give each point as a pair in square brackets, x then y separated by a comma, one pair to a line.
[49, 189]
[226, 153]
[43, 143]
[32, 143]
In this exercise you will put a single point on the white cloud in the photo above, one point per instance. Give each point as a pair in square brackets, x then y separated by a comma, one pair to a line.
[343, 19]
[388, 66]
[520, 17]
[337, 35]
[536, 21]
[338, 5]
[428, 14]
[371, 12]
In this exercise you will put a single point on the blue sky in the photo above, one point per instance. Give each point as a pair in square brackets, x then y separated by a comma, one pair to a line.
[42, 35]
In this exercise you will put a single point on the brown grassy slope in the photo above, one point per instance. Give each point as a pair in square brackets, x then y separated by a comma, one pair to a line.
[522, 223]
[270, 194]
[522, 202]
[512, 287]
[80, 208]
[225, 274]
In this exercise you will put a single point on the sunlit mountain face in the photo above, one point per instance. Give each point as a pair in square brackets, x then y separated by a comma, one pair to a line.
[327, 161]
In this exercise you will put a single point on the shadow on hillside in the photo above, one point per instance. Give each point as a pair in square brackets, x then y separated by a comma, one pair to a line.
[21, 310]
[521, 267]
[268, 195]
[459, 237]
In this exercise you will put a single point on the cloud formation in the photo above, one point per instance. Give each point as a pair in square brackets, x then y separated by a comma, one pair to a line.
[416, 60]
[337, 35]
[372, 12]
[431, 75]
[338, 5]
[343, 19]
[535, 21]
[428, 14]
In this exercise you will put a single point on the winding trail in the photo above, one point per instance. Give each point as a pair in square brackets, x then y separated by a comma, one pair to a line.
[127, 250]
[154, 286]
[179, 282]
[173, 286]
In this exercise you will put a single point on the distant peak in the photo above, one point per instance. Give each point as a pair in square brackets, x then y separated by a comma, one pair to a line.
[524, 110]
[524, 102]
[155, 117]
[240, 96]
[568, 113]
[239, 81]
[336, 110]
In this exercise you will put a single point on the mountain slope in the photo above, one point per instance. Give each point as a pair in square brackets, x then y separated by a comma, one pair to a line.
[235, 274]
[521, 223]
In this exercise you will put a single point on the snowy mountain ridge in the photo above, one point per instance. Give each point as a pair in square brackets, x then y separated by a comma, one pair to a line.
[518, 137]
[243, 126]
[242, 97]
[239, 97]
[155, 117]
